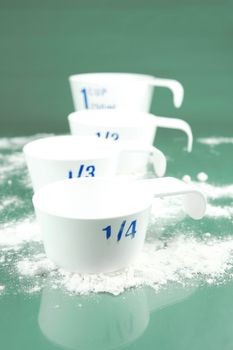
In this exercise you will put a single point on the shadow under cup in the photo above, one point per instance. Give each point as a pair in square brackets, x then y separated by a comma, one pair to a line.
[93, 226]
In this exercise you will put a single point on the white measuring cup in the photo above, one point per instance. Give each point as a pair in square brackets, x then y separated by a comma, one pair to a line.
[73, 321]
[99, 225]
[60, 157]
[125, 125]
[119, 90]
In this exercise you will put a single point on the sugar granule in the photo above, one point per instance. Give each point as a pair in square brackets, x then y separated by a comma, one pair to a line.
[181, 257]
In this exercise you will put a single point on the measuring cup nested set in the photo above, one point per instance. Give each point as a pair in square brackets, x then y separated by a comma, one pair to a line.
[93, 225]
[98, 223]
[64, 157]
[120, 91]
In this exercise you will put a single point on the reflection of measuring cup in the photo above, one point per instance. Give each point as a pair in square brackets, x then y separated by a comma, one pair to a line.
[124, 125]
[119, 90]
[99, 225]
[93, 322]
[101, 321]
[59, 157]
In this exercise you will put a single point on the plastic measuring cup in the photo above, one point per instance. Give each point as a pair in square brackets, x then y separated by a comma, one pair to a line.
[99, 225]
[60, 157]
[125, 125]
[119, 90]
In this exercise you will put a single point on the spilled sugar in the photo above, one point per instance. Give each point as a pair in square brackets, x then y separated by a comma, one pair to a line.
[179, 257]
[215, 141]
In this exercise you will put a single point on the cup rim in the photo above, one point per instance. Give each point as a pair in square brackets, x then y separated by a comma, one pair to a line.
[29, 148]
[41, 192]
[107, 76]
[122, 118]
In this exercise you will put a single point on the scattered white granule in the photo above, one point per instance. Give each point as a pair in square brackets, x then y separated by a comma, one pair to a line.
[186, 178]
[2, 288]
[202, 177]
[37, 266]
[215, 141]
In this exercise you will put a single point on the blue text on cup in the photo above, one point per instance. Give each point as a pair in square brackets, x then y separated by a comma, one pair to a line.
[83, 170]
[126, 230]
[108, 135]
[93, 94]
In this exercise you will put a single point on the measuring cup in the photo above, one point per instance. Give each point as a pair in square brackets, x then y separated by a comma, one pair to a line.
[99, 225]
[124, 125]
[119, 90]
[59, 157]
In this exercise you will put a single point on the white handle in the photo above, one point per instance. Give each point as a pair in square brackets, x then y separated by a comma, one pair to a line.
[179, 124]
[157, 158]
[194, 200]
[175, 86]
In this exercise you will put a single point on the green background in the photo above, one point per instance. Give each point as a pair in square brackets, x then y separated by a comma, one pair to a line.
[43, 42]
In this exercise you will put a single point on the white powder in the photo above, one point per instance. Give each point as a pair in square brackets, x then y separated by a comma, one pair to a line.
[203, 177]
[214, 191]
[180, 260]
[218, 211]
[215, 141]
[39, 266]
[180, 256]
[186, 178]
[16, 143]
[12, 235]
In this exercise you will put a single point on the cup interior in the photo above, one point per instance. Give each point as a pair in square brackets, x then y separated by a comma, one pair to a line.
[93, 198]
[69, 147]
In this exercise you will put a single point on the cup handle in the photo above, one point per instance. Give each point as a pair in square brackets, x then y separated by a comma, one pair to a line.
[179, 124]
[194, 200]
[157, 158]
[175, 86]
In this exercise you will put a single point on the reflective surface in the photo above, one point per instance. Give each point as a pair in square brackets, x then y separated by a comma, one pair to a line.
[195, 316]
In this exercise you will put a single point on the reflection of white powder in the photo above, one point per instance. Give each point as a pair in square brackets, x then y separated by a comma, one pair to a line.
[2, 288]
[215, 141]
